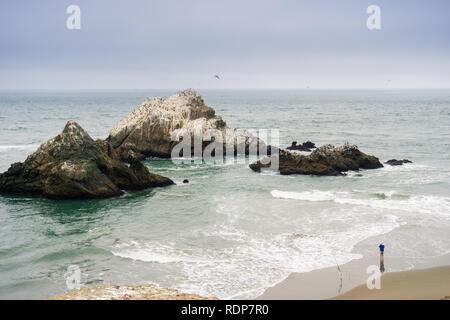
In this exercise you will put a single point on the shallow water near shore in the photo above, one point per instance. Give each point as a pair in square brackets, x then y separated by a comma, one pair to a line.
[230, 232]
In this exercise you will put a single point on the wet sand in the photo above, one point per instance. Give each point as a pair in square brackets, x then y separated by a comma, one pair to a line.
[320, 284]
[427, 280]
[426, 284]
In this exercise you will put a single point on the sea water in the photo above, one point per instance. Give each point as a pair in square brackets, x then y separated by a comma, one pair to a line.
[230, 232]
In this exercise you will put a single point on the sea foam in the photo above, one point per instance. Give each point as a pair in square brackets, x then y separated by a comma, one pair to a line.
[391, 200]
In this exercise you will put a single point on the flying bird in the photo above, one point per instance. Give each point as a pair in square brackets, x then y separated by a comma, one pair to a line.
[216, 76]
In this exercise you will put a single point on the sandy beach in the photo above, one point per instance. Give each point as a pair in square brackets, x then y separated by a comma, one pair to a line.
[429, 279]
[426, 284]
[423, 284]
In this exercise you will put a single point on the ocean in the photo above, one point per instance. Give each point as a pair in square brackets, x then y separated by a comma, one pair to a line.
[231, 232]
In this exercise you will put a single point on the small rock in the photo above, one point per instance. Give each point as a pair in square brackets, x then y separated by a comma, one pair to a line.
[309, 144]
[185, 181]
[305, 146]
[395, 162]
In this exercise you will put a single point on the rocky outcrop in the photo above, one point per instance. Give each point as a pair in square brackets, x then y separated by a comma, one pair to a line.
[395, 162]
[305, 146]
[157, 125]
[139, 292]
[326, 160]
[72, 165]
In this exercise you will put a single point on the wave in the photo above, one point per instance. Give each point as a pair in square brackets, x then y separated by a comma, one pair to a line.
[246, 262]
[418, 204]
[391, 200]
[158, 254]
[315, 195]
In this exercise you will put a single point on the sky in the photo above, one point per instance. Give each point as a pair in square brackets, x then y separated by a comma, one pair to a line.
[258, 44]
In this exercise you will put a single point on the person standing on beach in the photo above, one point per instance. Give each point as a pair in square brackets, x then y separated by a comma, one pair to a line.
[381, 246]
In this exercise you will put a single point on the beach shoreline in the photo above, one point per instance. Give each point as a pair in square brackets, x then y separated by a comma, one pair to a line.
[404, 278]
[426, 280]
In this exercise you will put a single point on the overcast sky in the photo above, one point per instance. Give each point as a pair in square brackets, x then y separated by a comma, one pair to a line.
[143, 44]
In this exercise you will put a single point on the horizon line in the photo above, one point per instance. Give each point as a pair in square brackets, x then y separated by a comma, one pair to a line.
[260, 89]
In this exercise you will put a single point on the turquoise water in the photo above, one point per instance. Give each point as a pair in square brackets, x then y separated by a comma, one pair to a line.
[230, 232]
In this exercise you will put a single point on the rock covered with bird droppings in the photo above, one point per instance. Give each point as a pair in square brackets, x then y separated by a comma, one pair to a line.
[157, 125]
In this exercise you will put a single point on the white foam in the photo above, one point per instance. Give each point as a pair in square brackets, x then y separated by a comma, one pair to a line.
[419, 204]
[315, 195]
[392, 201]
[268, 172]
[255, 261]
[147, 253]
[239, 259]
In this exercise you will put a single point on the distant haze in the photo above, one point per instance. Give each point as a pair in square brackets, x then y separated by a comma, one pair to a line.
[144, 44]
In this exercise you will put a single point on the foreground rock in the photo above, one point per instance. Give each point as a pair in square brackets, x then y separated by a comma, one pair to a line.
[326, 160]
[157, 125]
[395, 162]
[305, 146]
[72, 165]
[143, 292]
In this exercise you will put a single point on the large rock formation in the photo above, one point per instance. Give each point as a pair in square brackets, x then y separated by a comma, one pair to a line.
[326, 160]
[72, 165]
[157, 125]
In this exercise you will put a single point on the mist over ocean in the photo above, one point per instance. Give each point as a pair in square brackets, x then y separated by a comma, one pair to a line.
[230, 232]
